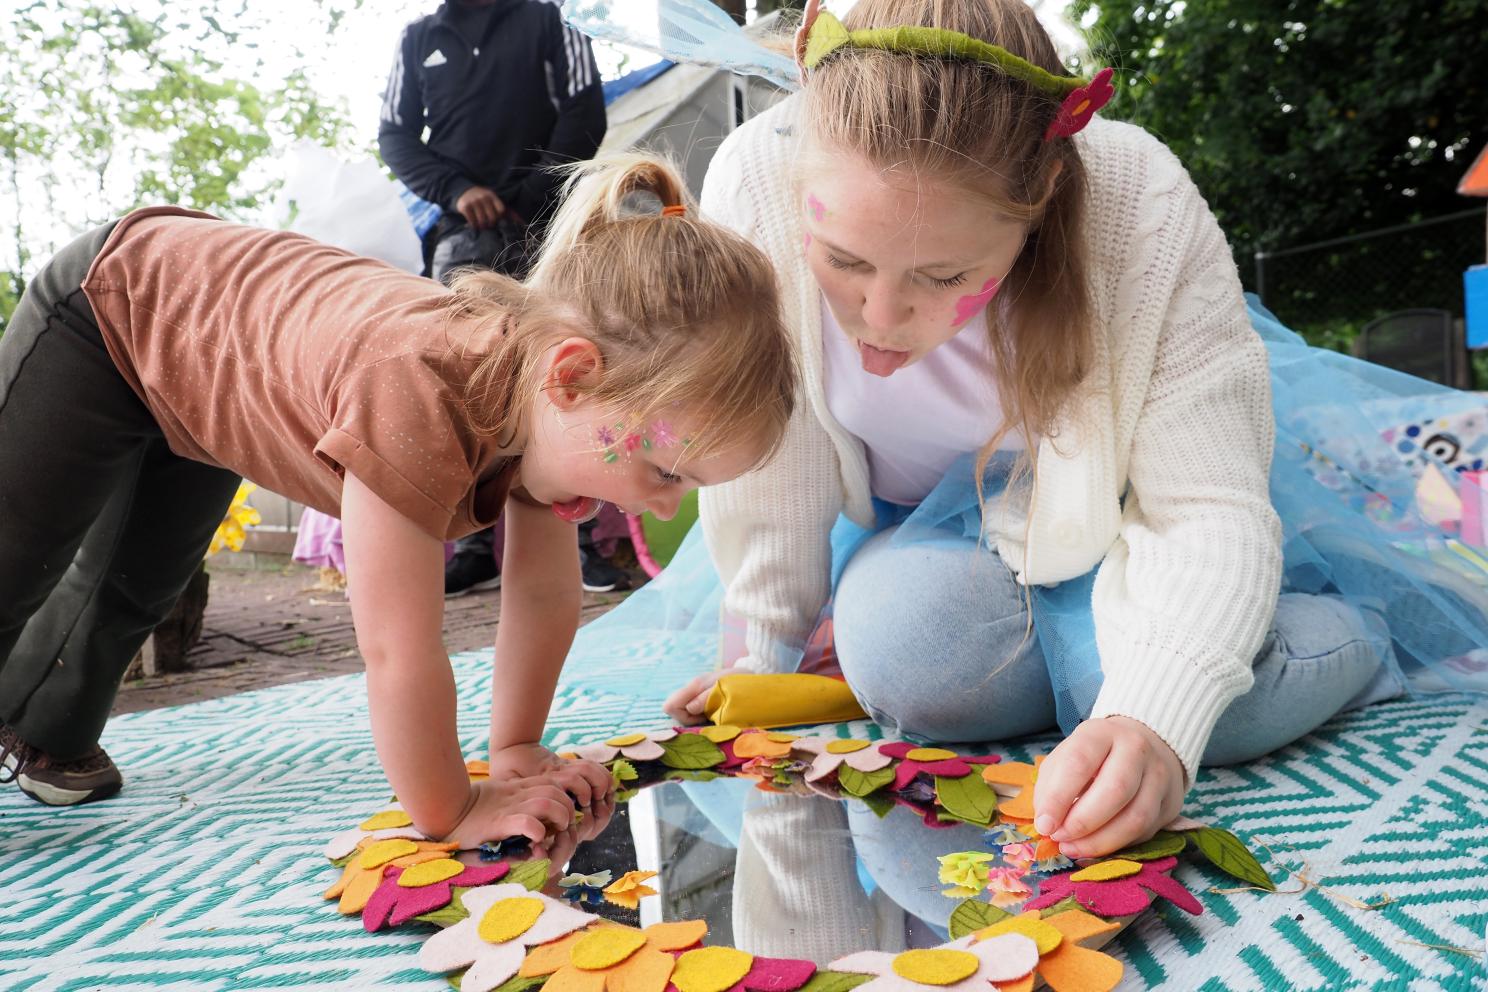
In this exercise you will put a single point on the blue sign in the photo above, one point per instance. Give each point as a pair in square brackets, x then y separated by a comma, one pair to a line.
[1475, 286]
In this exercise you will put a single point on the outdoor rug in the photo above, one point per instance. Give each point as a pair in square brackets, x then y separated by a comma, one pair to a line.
[207, 872]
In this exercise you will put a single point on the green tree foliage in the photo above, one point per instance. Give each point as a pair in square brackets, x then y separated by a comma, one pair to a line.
[1306, 120]
[103, 108]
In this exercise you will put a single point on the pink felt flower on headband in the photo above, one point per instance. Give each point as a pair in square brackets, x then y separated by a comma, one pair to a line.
[1081, 105]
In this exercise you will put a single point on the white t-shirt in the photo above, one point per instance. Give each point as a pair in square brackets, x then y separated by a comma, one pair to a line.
[919, 420]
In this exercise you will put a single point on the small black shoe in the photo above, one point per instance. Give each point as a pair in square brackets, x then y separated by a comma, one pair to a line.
[66, 783]
[601, 576]
[468, 572]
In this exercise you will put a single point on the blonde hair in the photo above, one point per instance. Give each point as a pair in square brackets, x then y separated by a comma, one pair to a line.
[981, 131]
[685, 313]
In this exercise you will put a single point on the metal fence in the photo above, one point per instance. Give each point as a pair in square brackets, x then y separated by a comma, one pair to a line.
[1327, 290]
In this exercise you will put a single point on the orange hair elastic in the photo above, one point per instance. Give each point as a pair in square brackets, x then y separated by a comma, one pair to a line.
[674, 210]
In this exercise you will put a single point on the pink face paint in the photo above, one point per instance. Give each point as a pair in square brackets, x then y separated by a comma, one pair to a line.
[807, 242]
[969, 306]
[818, 209]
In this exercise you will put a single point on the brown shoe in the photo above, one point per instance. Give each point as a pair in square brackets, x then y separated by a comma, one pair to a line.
[67, 783]
[15, 754]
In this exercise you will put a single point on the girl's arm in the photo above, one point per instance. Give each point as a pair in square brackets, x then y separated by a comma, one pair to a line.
[395, 574]
[541, 594]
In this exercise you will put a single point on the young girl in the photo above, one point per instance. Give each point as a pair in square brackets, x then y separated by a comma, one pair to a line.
[644, 358]
[1032, 378]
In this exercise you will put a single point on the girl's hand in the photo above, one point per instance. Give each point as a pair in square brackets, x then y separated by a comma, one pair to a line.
[588, 782]
[687, 703]
[498, 809]
[1111, 783]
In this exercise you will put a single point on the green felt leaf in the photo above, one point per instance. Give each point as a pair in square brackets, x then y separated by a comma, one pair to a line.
[1163, 845]
[973, 915]
[342, 861]
[860, 784]
[1229, 854]
[623, 771]
[1063, 905]
[690, 775]
[448, 915]
[967, 798]
[691, 751]
[519, 984]
[531, 874]
[834, 981]
[881, 805]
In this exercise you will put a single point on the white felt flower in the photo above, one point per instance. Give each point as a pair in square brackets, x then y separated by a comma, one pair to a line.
[832, 752]
[391, 823]
[504, 921]
[964, 965]
[636, 747]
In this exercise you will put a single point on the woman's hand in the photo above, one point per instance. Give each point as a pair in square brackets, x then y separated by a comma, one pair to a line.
[687, 703]
[588, 782]
[500, 808]
[1111, 783]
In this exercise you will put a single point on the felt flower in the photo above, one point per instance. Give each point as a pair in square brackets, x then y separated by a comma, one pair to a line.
[492, 941]
[1081, 104]
[966, 871]
[608, 958]
[628, 890]
[964, 965]
[1013, 781]
[636, 747]
[386, 825]
[1008, 885]
[1117, 887]
[233, 530]
[363, 873]
[418, 889]
[763, 744]
[724, 736]
[477, 769]
[585, 890]
[915, 760]
[833, 752]
[705, 969]
[1063, 964]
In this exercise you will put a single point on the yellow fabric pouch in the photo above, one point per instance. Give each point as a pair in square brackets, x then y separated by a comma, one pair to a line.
[751, 700]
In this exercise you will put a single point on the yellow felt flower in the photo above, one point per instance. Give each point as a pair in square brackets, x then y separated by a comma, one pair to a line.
[628, 890]
[363, 873]
[1063, 964]
[607, 958]
[234, 527]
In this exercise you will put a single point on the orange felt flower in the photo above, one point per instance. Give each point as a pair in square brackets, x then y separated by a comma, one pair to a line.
[477, 769]
[1016, 780]
[363, 873]
[1063, 963]
[609, 958]
[763, 744]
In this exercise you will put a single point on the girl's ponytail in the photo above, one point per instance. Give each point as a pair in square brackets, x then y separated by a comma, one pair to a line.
[604, 191]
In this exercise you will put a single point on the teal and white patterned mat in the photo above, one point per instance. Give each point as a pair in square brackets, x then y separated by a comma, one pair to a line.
[206, 872]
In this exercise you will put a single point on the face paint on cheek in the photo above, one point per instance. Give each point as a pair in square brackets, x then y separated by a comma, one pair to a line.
[969, 306]
[806, 242]
[818, 209]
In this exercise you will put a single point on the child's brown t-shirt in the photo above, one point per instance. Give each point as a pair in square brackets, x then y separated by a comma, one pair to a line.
[291, 363]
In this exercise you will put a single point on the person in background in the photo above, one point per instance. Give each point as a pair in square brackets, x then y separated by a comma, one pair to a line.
[505, 91]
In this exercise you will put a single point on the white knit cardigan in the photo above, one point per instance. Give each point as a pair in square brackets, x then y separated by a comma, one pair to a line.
[1158, 474]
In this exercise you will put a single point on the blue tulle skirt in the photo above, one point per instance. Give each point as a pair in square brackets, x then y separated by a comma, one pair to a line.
[1372, 479]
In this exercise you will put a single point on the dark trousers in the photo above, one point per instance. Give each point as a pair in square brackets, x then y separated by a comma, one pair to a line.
[101, 526]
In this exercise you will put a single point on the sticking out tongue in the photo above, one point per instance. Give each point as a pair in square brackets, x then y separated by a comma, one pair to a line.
[578, 510]
[880, 362]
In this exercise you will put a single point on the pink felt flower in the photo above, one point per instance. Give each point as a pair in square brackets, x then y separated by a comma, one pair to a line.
[833, 752]
[1081, 105]
[963, 965]
[1122, 896]
[730, 759]
[492, 941]
[914, 759]
[770, 975]
[428, 886]
[636, 747]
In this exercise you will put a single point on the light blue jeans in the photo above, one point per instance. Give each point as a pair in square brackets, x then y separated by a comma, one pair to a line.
[924, 632]
[919, 626]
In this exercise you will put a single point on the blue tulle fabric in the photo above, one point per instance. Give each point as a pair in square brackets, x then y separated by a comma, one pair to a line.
[695, 31]
[1353, 441]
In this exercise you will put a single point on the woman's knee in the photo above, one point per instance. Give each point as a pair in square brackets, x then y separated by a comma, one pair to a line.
[934, 640]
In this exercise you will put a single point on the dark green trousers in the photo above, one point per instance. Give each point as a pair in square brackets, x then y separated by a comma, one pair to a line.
[101, 526]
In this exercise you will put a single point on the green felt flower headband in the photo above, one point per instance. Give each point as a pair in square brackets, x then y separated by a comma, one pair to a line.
[825, 34]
